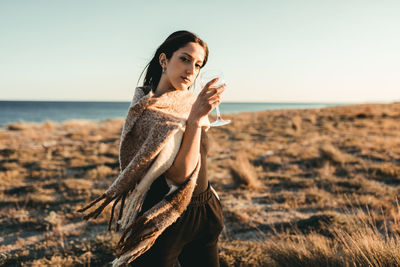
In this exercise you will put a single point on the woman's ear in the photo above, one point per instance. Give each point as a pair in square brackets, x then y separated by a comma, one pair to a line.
[163, 59]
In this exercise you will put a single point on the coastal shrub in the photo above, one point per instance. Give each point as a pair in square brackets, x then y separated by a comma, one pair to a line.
[243, 172]
[367, 244]
[100, 171]
[331, 153]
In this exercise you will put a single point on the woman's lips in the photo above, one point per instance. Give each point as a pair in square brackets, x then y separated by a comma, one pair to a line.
[186, 80]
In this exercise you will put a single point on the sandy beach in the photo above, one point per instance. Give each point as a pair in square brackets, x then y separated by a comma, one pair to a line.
[304, 187]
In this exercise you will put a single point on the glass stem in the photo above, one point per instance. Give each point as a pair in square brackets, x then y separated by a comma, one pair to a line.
[218, 113]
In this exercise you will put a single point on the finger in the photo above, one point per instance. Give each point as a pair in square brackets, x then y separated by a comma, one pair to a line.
[214, 97]
[221, 89]
[215, 103]
[212, 82]
[216, 90]
[208, 85]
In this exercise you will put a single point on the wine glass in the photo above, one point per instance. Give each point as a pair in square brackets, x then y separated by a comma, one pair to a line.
[207, 76]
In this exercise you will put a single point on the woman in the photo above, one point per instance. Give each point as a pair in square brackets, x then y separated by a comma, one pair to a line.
[193, 238]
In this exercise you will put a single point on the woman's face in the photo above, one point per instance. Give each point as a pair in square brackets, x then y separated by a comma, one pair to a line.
[184, 66]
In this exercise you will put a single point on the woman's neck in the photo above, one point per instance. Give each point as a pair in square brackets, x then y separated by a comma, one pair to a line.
[163, 87]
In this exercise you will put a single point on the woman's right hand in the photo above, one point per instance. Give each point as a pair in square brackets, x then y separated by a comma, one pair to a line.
[206, 101]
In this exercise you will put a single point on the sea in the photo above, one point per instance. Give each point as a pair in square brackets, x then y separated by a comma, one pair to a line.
[59, 111]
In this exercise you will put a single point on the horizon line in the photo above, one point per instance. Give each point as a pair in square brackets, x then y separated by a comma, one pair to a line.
[226, 102]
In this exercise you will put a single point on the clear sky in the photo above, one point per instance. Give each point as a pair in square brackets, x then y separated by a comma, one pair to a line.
[269, 51]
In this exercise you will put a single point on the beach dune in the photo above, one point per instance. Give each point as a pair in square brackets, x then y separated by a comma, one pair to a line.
[298, 187]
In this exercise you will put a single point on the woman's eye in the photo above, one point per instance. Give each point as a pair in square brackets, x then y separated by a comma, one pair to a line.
[185, 59]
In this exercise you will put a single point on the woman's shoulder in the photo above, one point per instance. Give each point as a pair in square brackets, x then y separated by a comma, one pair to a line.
[140, 92]
[145, 89]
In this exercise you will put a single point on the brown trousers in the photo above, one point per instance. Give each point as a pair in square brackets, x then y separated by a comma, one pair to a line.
[192, 239]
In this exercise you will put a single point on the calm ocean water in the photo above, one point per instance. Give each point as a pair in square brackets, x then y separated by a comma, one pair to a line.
[39, 111]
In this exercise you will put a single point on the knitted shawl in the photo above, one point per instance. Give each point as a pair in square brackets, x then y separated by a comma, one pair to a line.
[150, 139]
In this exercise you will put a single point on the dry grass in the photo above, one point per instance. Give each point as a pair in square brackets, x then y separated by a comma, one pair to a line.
[367, 244]
[331, 153]
[243, 172]
[315, 187]
[100, 172]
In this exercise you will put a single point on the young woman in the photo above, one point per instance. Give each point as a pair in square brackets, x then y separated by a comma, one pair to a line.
[193, 238]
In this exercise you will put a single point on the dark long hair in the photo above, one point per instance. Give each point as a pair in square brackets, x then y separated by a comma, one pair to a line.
[175, 41]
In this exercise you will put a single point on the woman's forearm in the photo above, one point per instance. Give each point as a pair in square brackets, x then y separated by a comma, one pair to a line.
[188, 155]
[189, 152]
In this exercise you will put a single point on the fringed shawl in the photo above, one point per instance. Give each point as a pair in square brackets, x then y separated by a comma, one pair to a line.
[150, 139]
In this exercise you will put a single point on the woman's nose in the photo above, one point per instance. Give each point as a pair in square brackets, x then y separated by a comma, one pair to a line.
[190, 69]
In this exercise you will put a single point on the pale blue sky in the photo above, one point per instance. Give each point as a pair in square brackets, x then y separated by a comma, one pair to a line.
[269, 51]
